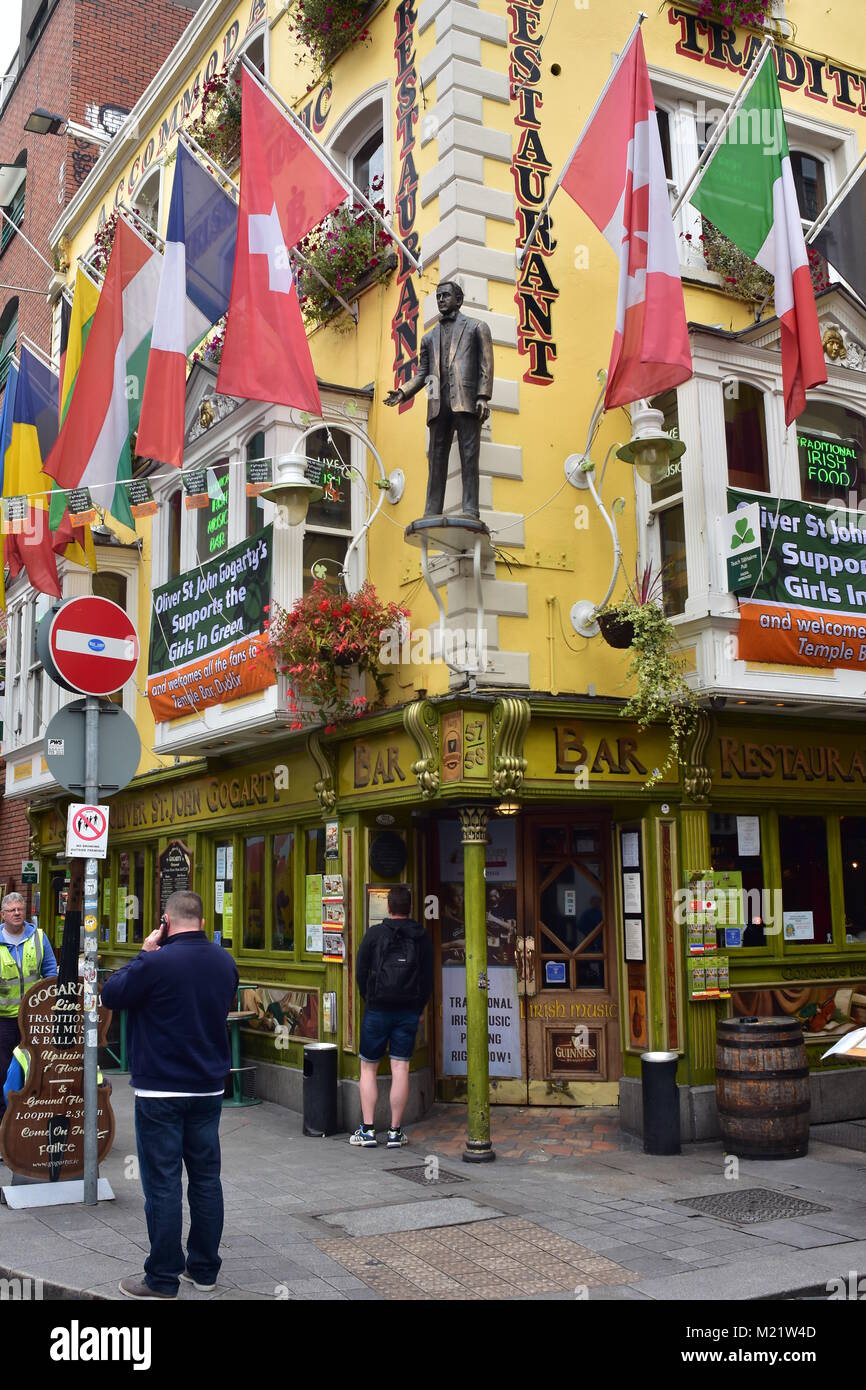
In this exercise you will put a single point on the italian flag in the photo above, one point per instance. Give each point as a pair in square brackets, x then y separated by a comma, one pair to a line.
[748, 193]
[93, 448]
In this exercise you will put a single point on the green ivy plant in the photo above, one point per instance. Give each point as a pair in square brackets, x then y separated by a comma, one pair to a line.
[662, 695]
[325, 27]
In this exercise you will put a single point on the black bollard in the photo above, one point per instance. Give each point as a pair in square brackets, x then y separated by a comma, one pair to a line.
[320, 1089]
[661, 1103]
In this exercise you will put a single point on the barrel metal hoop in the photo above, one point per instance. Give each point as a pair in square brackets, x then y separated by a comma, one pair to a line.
[773, 1112]
[795, 1074]
[756, 1044]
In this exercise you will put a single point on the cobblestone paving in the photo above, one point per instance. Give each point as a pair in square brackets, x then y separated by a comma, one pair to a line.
[501, 1258]
[527, 1135]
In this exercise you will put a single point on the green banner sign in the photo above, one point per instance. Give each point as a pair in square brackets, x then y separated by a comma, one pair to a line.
[220, 603]
[813, 556]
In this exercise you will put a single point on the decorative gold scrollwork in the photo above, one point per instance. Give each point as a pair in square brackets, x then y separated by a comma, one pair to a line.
[422, 725]
[510, 723]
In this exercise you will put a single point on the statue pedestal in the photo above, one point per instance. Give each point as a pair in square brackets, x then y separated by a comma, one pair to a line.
[454, 535]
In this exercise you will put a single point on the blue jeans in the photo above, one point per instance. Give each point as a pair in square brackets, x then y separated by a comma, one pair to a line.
[168, 1132]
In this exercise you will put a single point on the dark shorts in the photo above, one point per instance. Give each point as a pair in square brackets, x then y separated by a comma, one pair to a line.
[382, 1027]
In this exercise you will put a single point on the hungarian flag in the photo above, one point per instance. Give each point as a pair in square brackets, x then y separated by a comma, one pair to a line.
[93, 449]
[286, 189]
[841, 239]
[75, 330]
[617, 175]
[193, 293]
[748, 193]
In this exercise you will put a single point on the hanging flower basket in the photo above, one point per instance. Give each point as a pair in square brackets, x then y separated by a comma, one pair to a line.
[319, 642]
[323, 28]
[616, 629]
[738, 14]
[350, 250]
[218, 128]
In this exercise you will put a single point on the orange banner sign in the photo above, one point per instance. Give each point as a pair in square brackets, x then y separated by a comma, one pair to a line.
[779, 632]
[241, 669]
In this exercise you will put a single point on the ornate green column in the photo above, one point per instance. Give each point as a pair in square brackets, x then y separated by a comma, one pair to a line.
[473, 825]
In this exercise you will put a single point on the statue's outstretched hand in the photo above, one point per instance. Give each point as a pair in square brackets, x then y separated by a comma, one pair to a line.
[394, 397]
[482, 408]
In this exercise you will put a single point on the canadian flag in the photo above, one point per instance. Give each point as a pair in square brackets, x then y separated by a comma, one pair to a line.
[617, 175]
[286, 188]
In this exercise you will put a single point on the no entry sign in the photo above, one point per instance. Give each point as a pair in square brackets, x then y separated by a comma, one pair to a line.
[87, 832]
[92, 646]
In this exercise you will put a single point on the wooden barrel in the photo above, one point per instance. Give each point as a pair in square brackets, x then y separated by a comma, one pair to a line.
[762, 1087]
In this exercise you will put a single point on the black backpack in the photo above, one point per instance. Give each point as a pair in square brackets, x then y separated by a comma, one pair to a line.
[396, 974]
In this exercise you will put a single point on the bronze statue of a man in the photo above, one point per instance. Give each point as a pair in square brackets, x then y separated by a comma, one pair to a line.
[456, 366]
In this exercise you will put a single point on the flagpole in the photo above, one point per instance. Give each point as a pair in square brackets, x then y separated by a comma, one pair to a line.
[95, 277]
[293, 251]
[22, 289]
[328, 159]
[603, 93]
[14, 225]
[40, 353]
[138, 222]
[841, 192]
[723, 126]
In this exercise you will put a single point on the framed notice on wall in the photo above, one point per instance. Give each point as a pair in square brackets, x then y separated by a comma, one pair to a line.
[631, 882]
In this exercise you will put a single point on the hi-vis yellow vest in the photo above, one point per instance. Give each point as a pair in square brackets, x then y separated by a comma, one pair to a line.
[14, 983]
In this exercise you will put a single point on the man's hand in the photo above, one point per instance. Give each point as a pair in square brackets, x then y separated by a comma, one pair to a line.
[482, 408]
[152, 942]
[394, 397]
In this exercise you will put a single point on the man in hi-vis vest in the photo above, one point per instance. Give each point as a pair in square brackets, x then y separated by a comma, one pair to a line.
[25, 957]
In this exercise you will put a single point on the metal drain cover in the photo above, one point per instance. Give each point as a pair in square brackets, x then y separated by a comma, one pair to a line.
[748, 1206]
[420, 1173]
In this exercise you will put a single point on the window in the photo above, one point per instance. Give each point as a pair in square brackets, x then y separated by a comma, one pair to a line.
[36, 675]
[223, 916]
[811, 186]
[831, 445]
[146, 201]
[805, 881]
[111, 586]
[8, 337]
[735, 849]
[367, 165]
[666, 509]
[213, 520]
[175, 522]
[852, 830]
[746, 437]
[13, 199]
[664, 124]
[328, 529]
[130, 897]
[254, 893]
[282, 893]
[255, 506]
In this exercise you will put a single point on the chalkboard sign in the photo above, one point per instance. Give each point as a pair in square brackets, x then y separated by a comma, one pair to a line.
[175, 872]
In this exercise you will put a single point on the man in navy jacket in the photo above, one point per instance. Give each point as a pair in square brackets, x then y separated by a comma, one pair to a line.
[178, 992]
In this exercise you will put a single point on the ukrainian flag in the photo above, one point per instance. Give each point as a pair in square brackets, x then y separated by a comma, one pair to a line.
[5, 441]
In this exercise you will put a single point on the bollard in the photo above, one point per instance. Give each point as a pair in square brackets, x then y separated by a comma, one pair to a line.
[661, 1103]
[320, 1089]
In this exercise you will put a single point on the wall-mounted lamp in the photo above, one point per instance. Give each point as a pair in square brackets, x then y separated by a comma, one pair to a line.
[508, 808]
[292, 489]
[42, 122]
[650, 449]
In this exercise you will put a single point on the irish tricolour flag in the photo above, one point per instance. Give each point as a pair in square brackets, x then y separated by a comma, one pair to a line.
[748, 193]
[93, 447]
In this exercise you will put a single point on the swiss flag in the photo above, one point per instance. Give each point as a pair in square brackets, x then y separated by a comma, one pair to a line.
[617, 175]
[286, 189]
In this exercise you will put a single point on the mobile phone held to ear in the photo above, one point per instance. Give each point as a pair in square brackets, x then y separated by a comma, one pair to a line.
[163, 930]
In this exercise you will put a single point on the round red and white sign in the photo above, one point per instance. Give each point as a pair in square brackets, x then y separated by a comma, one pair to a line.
[93, 645]
[89, 823]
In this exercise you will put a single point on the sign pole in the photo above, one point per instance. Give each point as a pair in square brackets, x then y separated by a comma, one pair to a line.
[91, 999]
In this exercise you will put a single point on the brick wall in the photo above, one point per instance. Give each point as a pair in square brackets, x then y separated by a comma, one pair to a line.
[14, 842]
[91, 53]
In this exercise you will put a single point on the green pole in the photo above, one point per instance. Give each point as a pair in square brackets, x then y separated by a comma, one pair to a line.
[473, 825]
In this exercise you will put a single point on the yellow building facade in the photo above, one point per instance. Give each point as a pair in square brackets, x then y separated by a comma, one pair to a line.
[467, 112]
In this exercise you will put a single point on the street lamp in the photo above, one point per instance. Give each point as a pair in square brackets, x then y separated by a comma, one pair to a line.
[651, 451]
[292, 489]
[42, 122]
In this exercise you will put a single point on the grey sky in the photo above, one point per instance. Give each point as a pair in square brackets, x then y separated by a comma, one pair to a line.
[10, 23]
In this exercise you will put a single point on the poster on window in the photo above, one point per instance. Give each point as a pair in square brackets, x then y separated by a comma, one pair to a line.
[503, 1022]
[827, 1009]
[500, 855]
[281, 1012]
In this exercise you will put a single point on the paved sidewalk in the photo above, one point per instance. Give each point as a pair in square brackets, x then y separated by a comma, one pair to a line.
[570, 1209]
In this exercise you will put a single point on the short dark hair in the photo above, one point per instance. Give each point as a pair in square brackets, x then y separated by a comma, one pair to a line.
[400, 900]
[458, 289]
[185, 906]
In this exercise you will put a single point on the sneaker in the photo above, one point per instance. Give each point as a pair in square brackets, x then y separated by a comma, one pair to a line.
[137, 1288]
[202, 1288]
[396, 1139]
[366, 1138]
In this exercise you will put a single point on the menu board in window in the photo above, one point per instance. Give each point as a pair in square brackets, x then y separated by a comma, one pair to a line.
[175, 872]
